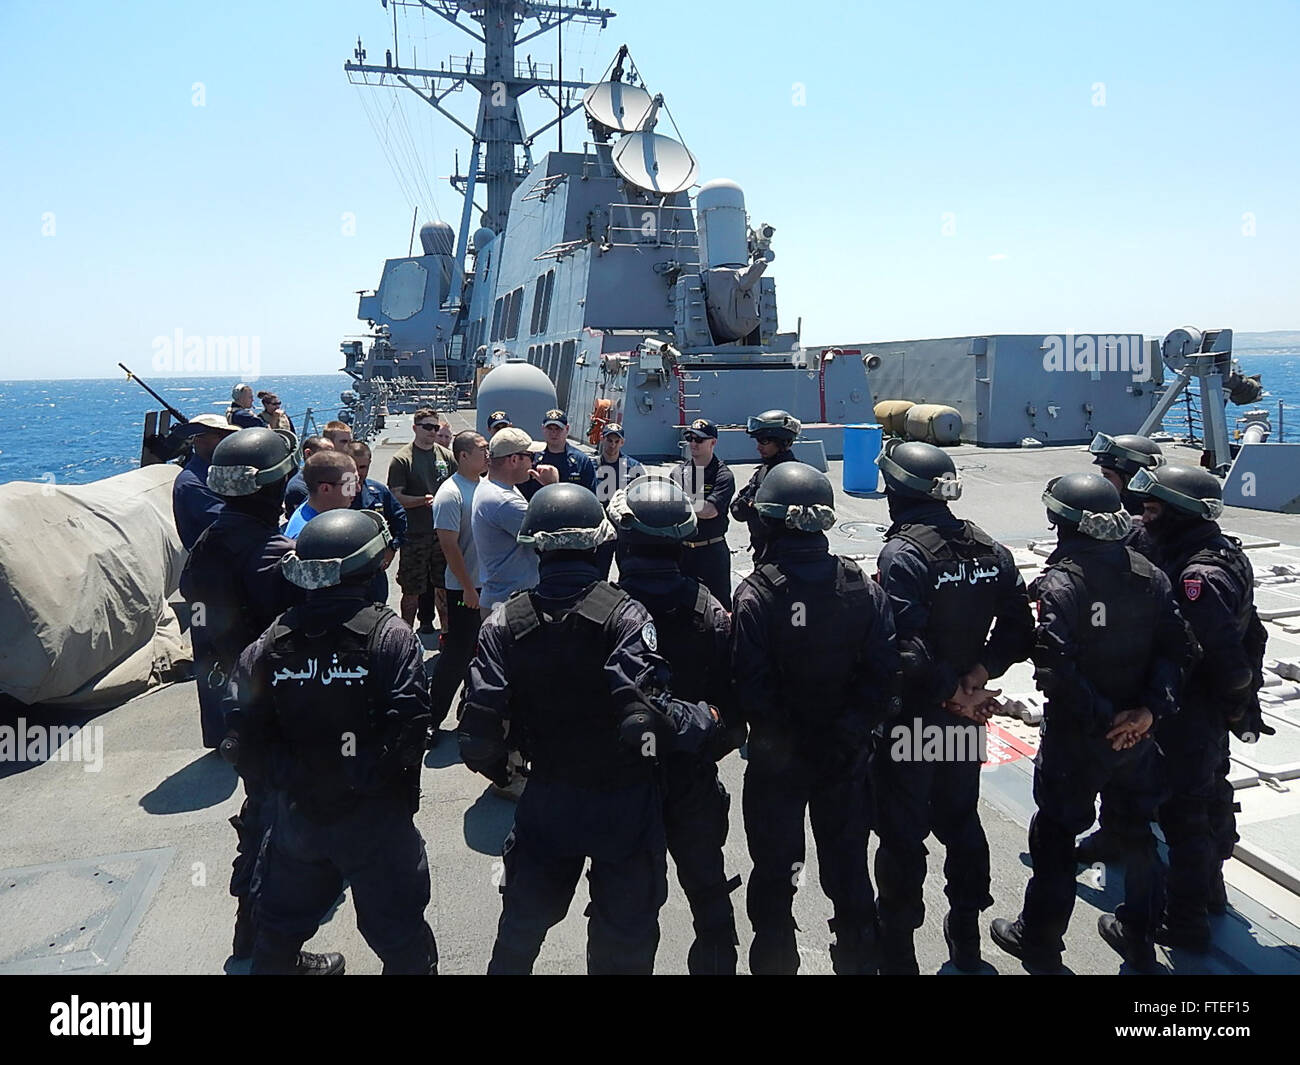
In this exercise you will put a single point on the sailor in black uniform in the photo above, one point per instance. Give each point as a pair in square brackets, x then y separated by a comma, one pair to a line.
[710, 485]
[1118, 458]
[815, 668]
[336, 713]
[947, 582]
[653, 516]
[774, 433]
[1214, 587]
[568, 670]
[1107, 653]
[235, 589]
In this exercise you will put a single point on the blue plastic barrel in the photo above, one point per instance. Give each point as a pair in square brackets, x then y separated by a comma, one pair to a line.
[861, 446]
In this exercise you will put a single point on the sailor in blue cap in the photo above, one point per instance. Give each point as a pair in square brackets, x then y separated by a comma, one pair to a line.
[710, 484]
[614, 471]
[574, 466]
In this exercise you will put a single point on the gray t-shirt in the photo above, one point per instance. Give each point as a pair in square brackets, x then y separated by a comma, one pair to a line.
[504, 564]
[452, 510]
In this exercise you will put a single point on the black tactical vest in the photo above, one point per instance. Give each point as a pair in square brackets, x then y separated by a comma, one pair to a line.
[1226, 554]
[684, 640]
[963, 571]
[818, 630]
[561, 703]
[1116, 625]
[326, 704]
[212, 578]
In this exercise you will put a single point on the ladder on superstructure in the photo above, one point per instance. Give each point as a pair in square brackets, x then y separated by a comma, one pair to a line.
[687, 401]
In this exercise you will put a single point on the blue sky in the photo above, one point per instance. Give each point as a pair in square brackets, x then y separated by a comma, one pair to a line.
[932, 169]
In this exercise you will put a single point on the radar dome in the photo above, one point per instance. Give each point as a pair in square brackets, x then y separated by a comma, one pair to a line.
[437, 238]
[520, 389]
[723, 224]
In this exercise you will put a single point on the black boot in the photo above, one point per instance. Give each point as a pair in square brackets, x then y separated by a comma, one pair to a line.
[773, 951]
[962, 934]
[1139, 953]
[855, 951]
[711, 956]
[713, 953]
[245, 931]
[276, 955]
[319, 964]
[1010, 936]
[897, 952]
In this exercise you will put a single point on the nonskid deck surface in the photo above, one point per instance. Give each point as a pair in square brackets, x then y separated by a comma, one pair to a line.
[126, 869]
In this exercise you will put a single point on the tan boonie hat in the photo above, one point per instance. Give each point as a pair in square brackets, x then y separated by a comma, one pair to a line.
[512, 441]
[209, 422]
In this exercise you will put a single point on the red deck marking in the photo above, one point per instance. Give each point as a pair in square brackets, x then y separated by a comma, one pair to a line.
[1003, 747]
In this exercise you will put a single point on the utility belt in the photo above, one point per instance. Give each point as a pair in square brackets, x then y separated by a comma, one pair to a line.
[704, 543]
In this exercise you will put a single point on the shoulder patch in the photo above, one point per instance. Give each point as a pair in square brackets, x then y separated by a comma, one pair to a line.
[1192, 588]
[649, 636]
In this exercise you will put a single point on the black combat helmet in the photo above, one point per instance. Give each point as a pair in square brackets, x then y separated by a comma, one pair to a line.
[251, 459]
[337, 546]
[796, 496]
[1189, 490]
[1127, 453]
[918, 471]
[652, 511]
[1089, 503]
[780, 424]
[565, 517]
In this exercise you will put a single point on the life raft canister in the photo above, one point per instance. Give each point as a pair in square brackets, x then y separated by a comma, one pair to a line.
[600, 417]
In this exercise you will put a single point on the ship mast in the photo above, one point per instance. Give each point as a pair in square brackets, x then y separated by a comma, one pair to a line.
[500, 81]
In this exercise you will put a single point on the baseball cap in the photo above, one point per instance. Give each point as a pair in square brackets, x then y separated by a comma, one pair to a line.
[612, 429]
[511, 441]
[555, 417]
[206, 423]
[702, 427]
[498, 418]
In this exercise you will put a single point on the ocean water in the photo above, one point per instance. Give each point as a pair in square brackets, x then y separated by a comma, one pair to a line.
[74, 432]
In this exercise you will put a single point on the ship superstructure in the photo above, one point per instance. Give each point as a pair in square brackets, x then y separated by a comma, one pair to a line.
[642, 301]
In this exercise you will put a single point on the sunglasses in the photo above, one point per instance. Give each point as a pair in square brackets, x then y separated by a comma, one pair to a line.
[766, 440]
[428, 427]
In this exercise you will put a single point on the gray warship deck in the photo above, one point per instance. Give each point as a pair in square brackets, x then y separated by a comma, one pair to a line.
[126, 870]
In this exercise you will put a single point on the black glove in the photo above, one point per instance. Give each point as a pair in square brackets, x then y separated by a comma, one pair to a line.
[482, 742]
[1247, 723]
[724, 740]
